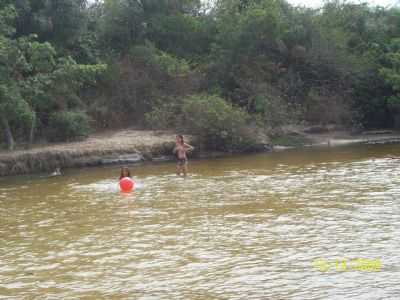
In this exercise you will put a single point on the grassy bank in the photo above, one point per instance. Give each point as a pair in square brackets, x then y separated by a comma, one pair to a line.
[301, 137]
[126, 146]
[134, 146]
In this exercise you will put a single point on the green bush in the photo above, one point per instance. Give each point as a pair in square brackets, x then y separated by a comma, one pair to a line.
[290, 140]
[69, 125]
[166, 62]
[275, 112]
[219, 125]
[165, 115]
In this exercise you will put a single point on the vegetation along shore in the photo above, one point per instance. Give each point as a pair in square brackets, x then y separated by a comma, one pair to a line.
[137, 146]
[75, 74]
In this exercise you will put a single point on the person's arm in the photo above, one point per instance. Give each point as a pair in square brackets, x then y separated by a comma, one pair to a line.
[189, 147]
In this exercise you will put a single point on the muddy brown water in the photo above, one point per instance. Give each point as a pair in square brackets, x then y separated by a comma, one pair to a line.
[300, 224]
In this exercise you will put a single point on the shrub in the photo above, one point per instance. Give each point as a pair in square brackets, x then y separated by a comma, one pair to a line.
[166, 62]
[69, 125]
[290, 140]
[219, 125]
[324, 107]
[276, 112]
[165, 115]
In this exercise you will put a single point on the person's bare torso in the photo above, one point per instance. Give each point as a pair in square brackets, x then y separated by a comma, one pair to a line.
[181, 151]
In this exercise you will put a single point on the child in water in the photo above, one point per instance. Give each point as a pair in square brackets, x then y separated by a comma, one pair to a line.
[180, 150]
[125, 173]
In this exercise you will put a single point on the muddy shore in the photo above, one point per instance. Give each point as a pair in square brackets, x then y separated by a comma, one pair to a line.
[135, 146]
[342, 137]
[118, 147]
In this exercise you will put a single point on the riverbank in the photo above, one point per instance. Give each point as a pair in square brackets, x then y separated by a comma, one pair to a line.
[116, 147]
[135, 146]
[332, 138]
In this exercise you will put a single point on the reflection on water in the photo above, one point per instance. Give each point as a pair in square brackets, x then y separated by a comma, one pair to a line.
[236, 228]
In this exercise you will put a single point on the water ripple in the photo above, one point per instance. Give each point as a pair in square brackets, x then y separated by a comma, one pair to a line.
[236, 233]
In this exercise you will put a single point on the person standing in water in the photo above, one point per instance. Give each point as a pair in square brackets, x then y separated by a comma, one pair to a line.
[125, 173]
[180, 150]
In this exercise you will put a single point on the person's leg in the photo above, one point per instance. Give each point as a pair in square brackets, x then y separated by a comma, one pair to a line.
[178, 169]
[184, 167]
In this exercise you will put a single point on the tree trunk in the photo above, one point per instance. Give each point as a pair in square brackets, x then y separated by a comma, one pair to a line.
[8, 134]
[32, 130]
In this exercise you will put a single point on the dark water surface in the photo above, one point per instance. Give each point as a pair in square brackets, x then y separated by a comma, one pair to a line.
[287, 225]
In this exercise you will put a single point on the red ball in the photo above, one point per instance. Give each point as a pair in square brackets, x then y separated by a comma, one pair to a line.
[126, 184]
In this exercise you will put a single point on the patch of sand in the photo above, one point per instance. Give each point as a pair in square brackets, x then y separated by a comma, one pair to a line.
[117, 141]
[338, 138]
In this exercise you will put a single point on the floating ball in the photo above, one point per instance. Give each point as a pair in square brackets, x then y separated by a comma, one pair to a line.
[126, 184]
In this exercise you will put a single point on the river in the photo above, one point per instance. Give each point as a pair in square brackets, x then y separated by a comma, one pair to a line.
[301, 224]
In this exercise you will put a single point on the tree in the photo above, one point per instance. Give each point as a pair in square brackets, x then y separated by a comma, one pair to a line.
[59, 22]
[34, 81]
[391, 74]
[12, 105]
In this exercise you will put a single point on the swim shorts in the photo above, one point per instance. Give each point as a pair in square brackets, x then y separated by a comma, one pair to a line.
[182, 161]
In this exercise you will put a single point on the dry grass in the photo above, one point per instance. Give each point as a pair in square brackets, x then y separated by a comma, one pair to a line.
[86, 153]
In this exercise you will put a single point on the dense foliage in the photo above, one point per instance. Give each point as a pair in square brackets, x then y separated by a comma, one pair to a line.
[36, 81]
[69, 66]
